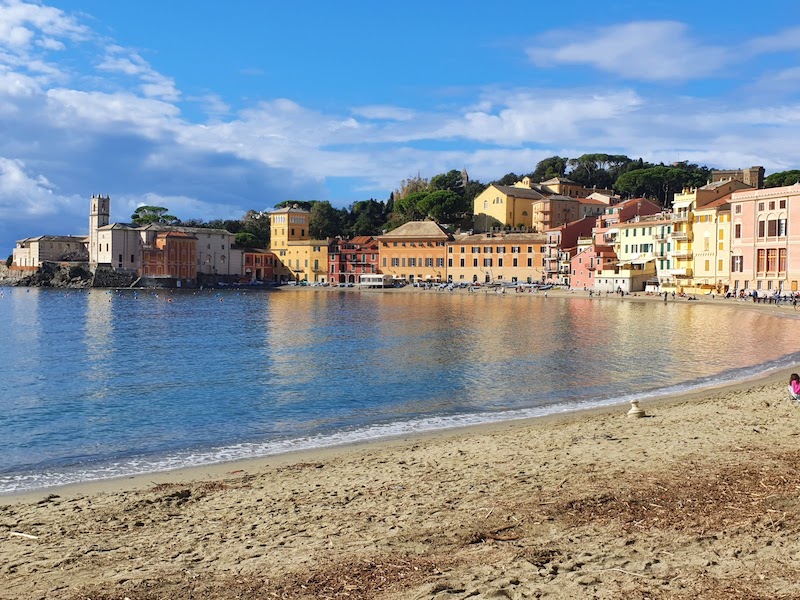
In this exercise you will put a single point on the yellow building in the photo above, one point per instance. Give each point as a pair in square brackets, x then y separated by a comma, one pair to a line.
[711, 253]
[484, 258]
[682, 239]
[505, 205]
[299, 258]
[566, 187]
[414, 252]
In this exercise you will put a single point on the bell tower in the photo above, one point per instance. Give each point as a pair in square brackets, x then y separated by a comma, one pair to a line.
[99, 216]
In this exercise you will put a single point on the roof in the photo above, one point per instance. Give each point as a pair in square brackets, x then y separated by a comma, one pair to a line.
[416, 230]
[288, 209]
[592, 202]
[718, 203]
[559, 180]
[178, 234]
[54, 238]
[494, 238]
[193, 230]
[361, 240]
[519, 192]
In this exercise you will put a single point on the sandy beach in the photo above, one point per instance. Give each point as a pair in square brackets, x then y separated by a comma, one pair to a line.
[699, 499]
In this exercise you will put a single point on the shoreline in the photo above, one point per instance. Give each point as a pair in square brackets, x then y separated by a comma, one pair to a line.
[697, 499]
[215, 470]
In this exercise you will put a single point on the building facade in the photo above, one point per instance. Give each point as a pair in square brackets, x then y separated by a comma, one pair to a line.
[495, 257]
[415, 251]
[299, 258]
[765, 240]
[349, 259]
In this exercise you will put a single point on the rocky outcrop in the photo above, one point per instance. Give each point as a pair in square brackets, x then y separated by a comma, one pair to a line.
[108, 278]
[55, 275]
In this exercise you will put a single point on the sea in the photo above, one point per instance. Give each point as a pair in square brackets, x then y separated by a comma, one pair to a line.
[98, 384]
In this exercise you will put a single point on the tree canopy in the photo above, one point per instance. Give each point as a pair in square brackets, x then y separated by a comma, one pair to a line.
[144, 215]
[782, 178]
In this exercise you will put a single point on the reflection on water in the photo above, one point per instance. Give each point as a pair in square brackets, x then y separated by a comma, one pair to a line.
[92, 377]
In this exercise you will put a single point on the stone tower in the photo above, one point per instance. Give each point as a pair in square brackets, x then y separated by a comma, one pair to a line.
[99, 216]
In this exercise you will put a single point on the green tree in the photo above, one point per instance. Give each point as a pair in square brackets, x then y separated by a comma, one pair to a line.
[246, 240]
[324, 221]
[443, 206]
[257, 223]
[304, 204]
[547, 168]
[9, 260]
[661, 182]
[144, 215]
[452, 180]
[782, 178]
[366, 217]
[408, 205]
[508, 179]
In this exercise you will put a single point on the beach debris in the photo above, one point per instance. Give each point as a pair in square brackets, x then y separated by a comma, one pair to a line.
[636, 411]
[27, 536]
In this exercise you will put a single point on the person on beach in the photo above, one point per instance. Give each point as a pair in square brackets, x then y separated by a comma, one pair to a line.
[794, 386]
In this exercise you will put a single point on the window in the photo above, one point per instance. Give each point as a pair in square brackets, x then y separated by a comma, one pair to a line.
[462, 265]
[514, 249]
[708, 265]
[761, 262]
[772, 205]
[132, 258]
[499, 262]
[449, 249]
[487, 250]
[440, 262]
[782, 260]
[428, 262]
[223, 246]
[772, 228]
[737, 231]
[737, 264]
[514, 262]
[412, 262]
[475, 262]
[395, 262]
[761, 228]
[120, 258]
[782, 204]
[476, 250]
[738, 209]
[782, 227]
[719, 266]
[760, 206]
[772, 260]
[530, 262]
[530, 249]
[501, 249]
[449, 263]
[487, 262]
[384, 262]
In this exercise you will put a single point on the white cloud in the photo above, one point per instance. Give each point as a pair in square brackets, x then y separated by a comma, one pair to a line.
[18, 20]
[382, 112]
[647, 50]
[25, 195]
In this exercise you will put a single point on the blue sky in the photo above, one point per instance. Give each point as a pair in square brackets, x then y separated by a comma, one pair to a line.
[212, 109]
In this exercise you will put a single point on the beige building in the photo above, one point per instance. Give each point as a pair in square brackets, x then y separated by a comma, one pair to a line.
[711, 251]
[415, 251]
[493, 257]
[119, 246]
[299, 258]
[30, 253]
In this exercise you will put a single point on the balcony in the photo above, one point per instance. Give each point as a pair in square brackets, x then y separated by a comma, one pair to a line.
[680, 236]
[681, 254]
[680, 218]
[687, 272]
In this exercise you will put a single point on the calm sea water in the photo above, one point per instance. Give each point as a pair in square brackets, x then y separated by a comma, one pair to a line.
[100, 384]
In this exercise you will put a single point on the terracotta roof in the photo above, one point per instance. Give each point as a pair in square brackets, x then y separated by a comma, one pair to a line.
[361, 240]
[417, 230]
[716, 203]
[592, 202]
[193, 230]
[496, 238]
[180, 234]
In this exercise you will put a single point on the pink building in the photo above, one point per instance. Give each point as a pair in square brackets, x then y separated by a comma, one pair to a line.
[765, 239]
[349, 259]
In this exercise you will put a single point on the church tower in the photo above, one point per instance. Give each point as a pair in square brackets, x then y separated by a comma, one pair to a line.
[99, 216]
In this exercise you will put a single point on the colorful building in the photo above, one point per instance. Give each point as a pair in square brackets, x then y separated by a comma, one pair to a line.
[562, 245]
[173, 254]
[258, 265]
[500, 206]
[415, 251]
[299, 258]
[349, 259]
[495, 257]
[765, 243]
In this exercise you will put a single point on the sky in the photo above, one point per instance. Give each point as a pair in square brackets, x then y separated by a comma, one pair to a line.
[212, 109]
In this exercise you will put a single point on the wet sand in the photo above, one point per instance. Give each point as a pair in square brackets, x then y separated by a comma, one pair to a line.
[699, 499]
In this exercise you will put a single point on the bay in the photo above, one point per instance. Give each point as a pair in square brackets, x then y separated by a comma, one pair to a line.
[102, 384]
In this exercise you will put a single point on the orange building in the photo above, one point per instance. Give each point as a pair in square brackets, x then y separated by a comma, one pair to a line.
[415, 251]
[173, 254]
[258, 265]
